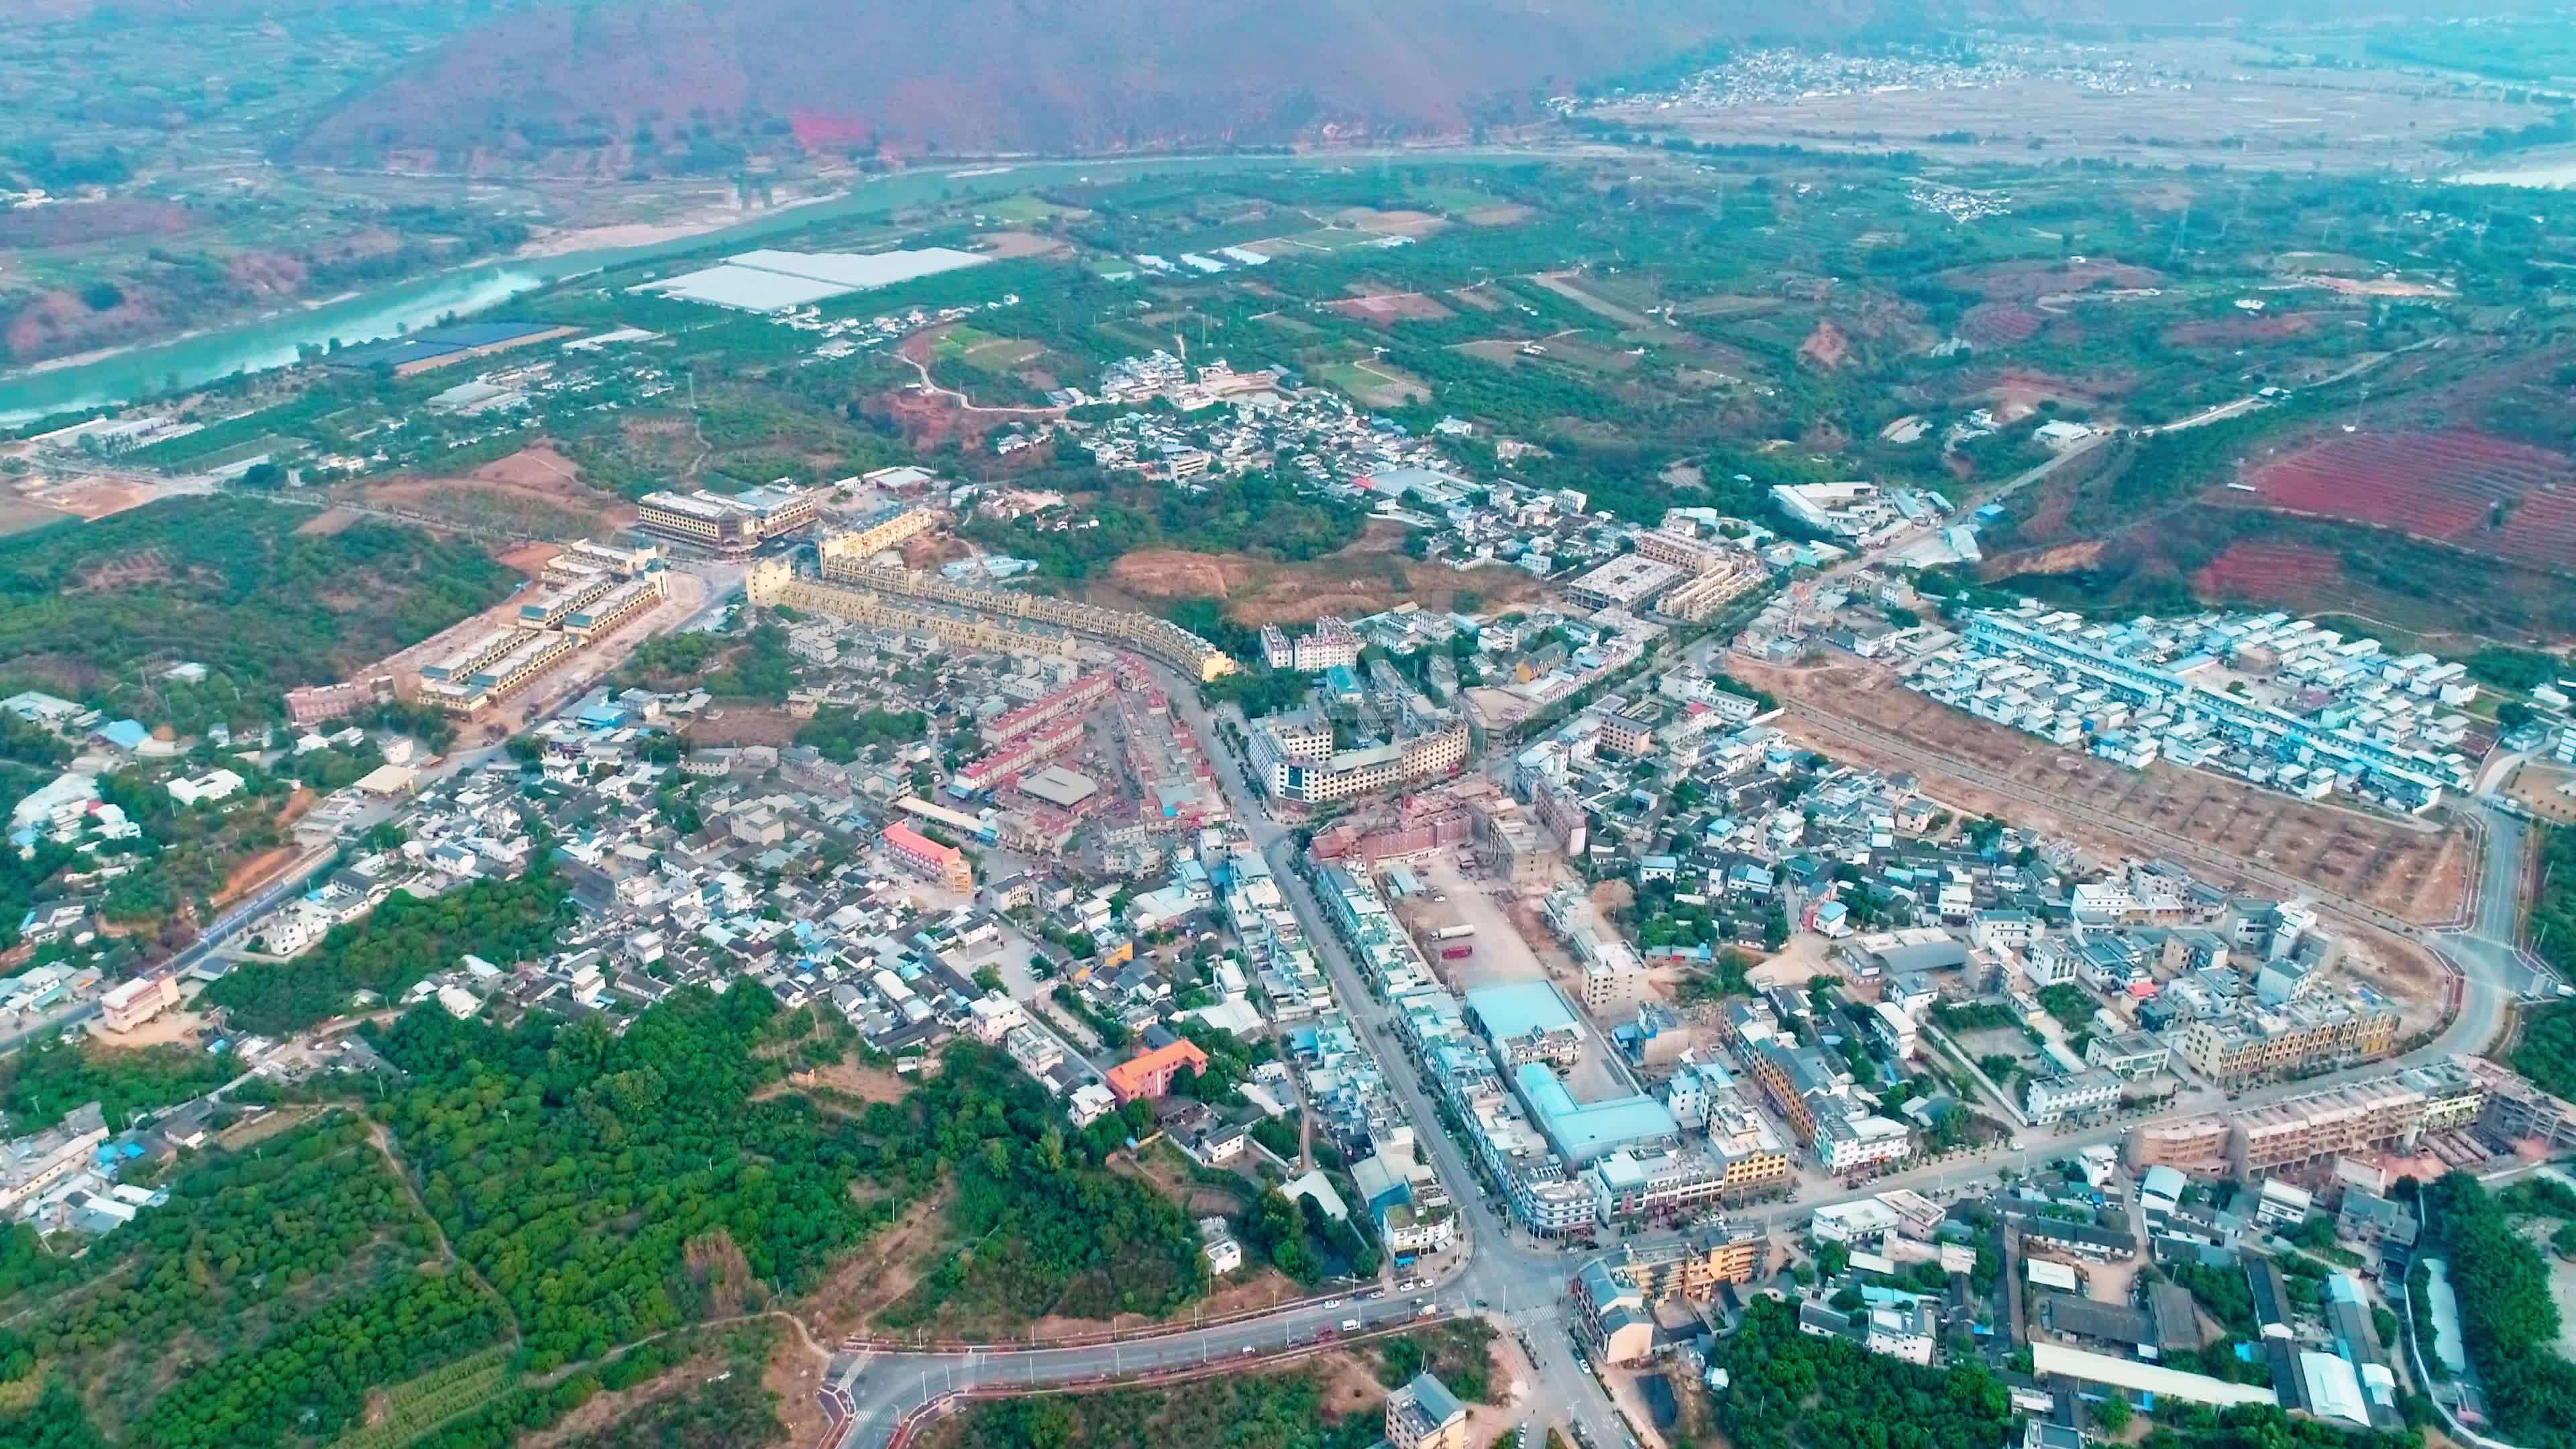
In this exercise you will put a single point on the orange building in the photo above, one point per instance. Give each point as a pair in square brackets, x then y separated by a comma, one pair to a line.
[929, 859]
[1151, 1074]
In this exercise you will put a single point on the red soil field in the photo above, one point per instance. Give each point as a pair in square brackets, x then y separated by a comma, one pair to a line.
[2446, 486]
[1998, 324]
[2256, 571]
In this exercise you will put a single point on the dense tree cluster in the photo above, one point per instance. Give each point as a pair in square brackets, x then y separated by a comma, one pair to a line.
[400, 942]
[1259, 514]
[2506, 1314]
[41, 1084]
[845, 734]
[227, 582]
[574, 1166]
[1052, 1230]
[1792, 1390]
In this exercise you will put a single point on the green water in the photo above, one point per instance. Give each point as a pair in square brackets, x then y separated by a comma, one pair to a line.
[272, 341]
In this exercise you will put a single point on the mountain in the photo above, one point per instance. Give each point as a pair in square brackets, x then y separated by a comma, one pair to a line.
[537, 85]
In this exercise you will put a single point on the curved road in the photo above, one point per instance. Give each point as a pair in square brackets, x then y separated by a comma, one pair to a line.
[1504, 1274]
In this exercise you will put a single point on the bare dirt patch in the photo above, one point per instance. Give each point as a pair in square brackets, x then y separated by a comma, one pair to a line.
[1387, 307]
[877, 1276]
[1856, 712]
[535, 492]
[327, 522]
[1362, 579]
[1501, 213]
[1825, 347]
[744, 725]
[1010, 244]
[867, 1084]
[94, 498]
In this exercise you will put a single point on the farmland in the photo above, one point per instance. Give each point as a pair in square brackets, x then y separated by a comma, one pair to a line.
[2460, 487]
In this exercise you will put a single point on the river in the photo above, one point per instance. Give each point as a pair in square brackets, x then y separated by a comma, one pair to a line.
[132, 373]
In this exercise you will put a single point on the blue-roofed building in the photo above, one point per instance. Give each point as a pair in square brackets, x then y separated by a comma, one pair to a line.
[1582, 1132]
[1528, 1021]
[124, 736]
[1343, 683]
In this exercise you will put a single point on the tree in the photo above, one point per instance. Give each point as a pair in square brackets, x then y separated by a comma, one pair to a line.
[2113, 1415]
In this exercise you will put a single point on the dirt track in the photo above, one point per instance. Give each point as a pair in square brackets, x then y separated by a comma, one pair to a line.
[2407, 871]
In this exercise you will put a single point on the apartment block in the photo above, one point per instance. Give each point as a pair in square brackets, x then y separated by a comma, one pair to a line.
[727, 523]
[136, 1002]
[2357, 1119]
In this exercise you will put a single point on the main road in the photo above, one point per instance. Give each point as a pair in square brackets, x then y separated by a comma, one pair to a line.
[1503, 1274]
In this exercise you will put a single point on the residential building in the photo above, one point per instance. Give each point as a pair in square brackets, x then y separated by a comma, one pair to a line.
[1612, 1315]
[943, 865]
[2054, 1099]
[1425, 1415]
[2357, 1119]
[135, 1002]
[728, 523]
[1150, 1075]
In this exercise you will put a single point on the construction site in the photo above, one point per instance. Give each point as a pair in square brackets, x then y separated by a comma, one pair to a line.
[2403, 871]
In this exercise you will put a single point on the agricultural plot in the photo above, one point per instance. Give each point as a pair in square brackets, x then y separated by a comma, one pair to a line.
[1373, 384]
[1384, 308]
[2459, 487]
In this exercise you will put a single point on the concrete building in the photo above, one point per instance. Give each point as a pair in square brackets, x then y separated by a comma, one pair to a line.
[1630, 581]
[1150, 1076]
[1293, 756]
[944, 865]
[1612, 1315]
[1425, 1415]
[2054, 1099]
[726, 523]
[2357, 1119]
[138, 1001]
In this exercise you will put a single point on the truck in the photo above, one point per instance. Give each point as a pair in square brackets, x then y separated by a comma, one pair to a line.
[1458, 952]
[1452, 933]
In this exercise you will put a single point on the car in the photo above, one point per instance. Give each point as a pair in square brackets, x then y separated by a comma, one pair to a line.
[1247, 1350]
[1332, 1303]
[1350, 1325]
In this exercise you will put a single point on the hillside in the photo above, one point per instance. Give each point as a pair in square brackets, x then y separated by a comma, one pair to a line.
[999, 75]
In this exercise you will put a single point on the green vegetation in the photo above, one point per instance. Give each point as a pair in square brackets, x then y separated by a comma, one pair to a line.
[228, 583]
[294, 1278]
[2510, 1321]
[844, 735]
[1795, 1391]
[1048, 1229]
[1258, 514]
[2547, 1052]
[54, 1077]
[754, 666]
[400, 942]
[2223, 1292]
[2070, 1004]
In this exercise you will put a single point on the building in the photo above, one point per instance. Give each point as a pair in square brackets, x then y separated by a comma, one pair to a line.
[735, 523]
[2129, 1055]
[32, 1164]
[1293, 756]
[1630, 582]
[1612, 1315]
[888, 527]
[2074, 1094]
[944, 865]
[1333, 643]
[2092, 1375]
[1217, 1244]
[138, 1001]
[2191, 1144]
[2358, 1119]
[1693, 1268]
[2234, 1049]
[1528, 1021]
[1425, 1415]
[1150, 1076]
[1909, 1333]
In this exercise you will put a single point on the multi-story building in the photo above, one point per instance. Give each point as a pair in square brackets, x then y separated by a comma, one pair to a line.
[2071, 1094]
[1857, 1142]
[973, 618]
[1692, 1268]
[889, 527]
[1333, 643]
[1628, 729]
[1611, 1315]
[2130, 1055]
[526, 657]
[1150, 1076]
[138, 1001]
[2191, 1144]
[1294, 756]
[735, 523]
[2232, 1049]
[1425, 1415]
[944, 865]
[2356, 1119]
[1630, 581]
[614, 606]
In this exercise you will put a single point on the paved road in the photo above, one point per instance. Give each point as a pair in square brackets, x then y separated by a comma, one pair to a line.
[1504, 1274]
